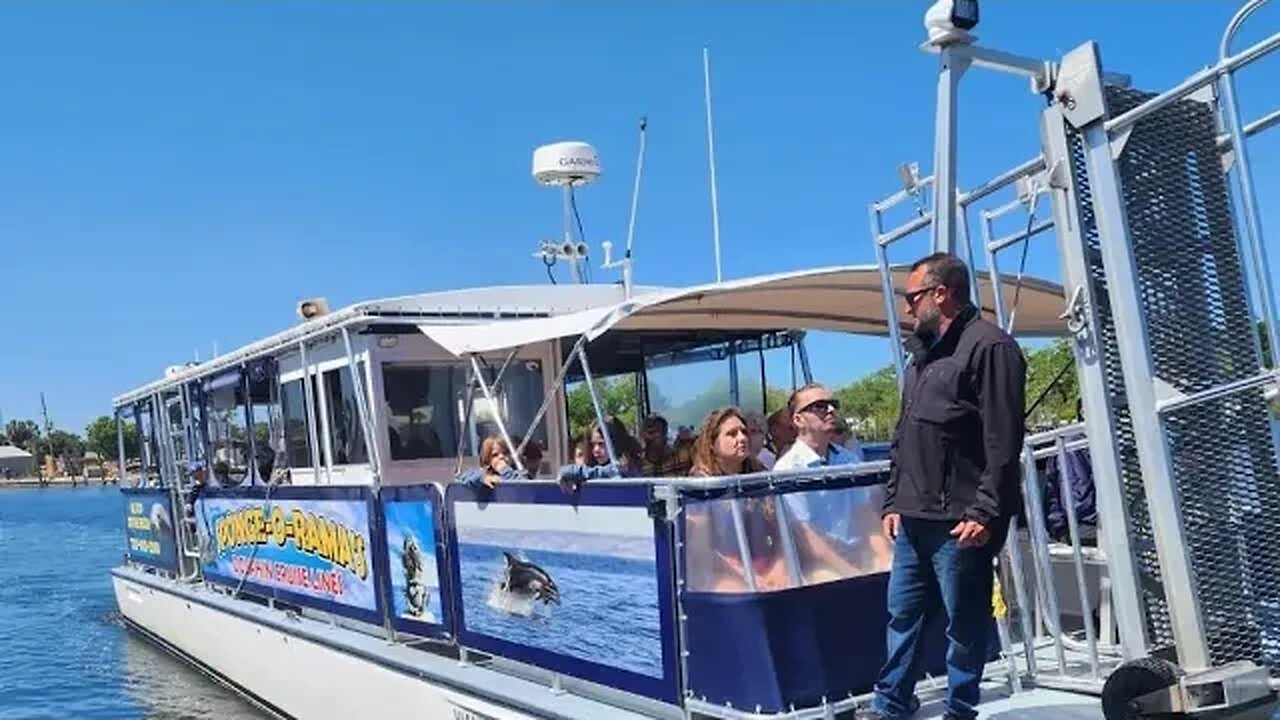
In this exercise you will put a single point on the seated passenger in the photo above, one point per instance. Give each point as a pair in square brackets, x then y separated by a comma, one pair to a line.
[835, 530]
[495, 465]
[659, 459]
[782, 435]
[723, 447]
[758, 437]
[598, 467]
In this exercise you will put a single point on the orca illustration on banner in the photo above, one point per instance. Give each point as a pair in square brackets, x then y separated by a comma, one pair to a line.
[527, 581]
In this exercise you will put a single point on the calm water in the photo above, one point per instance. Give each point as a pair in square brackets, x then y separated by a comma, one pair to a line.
[66, 653]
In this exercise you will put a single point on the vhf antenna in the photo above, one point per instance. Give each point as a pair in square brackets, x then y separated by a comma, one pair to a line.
[626, 261]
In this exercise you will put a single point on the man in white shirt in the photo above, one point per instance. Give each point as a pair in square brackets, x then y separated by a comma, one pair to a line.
[814, 414]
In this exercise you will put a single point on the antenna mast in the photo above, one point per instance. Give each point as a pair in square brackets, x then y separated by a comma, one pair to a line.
[711, 157]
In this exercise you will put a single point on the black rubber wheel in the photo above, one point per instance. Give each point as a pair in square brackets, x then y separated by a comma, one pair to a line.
[1133, 680]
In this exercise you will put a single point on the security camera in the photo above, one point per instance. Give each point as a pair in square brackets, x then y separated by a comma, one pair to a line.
[948, 21]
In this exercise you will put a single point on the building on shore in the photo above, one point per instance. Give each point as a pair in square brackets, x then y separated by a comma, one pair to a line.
[16, 462]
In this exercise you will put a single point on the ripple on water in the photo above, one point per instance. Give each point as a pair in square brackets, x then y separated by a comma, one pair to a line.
[67, 652]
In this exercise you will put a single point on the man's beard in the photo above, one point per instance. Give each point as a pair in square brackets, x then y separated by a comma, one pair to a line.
[927, 325]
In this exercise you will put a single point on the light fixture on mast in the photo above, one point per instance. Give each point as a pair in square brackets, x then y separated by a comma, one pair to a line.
[566, 165]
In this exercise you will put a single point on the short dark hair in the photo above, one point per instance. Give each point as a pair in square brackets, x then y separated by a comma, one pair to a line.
[948, 271]
[791, 401]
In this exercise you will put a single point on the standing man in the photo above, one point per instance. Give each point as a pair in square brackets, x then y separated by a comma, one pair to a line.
[954, 485]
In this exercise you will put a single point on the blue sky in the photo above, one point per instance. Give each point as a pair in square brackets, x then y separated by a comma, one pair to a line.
[178, 174]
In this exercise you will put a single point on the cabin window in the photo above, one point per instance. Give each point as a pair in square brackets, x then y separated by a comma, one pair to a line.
[425, 406]
[265, 413]
[228, 436]
[293, 407]
[345, 433]
[149, 455]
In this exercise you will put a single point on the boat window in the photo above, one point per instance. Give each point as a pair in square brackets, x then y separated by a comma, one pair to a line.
[150, 454]
[714, 556]
[345, 434]
[293, 409]
[228, 437]
[264, 407]
[425, 405]
[177, 426]
[837, 533]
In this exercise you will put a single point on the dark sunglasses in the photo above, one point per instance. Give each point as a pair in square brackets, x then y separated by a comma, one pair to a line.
[822, 407]
[915, 295]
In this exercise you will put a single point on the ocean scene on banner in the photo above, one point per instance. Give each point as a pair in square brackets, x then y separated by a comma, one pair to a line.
[313, 548]
[578, 581]
[411, 547]
[149, 528]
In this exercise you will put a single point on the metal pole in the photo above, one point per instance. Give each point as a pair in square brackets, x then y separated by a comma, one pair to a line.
[805, 368]
[497, 412]
[1069, 505]
[1193, 83]
[951, 68]
[1099, 416]
[962, 227]
[1248, 203]
[595, 403]
[1139, 372]
[711, 158]
[735, 392]
[627, 281]
[1039, 537]
[890, 302]
[551, 396]
[362, 407]
[309, 403]
[993, 269]
[465, 419]
[1025, 606]
[575, 262]
[744, 548]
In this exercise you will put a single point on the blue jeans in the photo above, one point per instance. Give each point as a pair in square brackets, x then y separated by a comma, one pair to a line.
[930, 575]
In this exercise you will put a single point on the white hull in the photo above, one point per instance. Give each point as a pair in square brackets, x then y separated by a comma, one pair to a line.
[338, 674]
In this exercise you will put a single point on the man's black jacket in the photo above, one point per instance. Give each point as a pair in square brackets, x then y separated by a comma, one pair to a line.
[956, 451]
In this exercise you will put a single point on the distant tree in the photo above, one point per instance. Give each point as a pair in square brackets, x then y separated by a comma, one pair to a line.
[1051, 373]
[24, 434]
[872, 403]
[100, 437]
[617, 397]
[63, 444]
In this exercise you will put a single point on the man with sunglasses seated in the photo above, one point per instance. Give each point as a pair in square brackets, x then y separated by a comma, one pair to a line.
[815, 417]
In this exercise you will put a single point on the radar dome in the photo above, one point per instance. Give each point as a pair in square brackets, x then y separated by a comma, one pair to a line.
[566, 163]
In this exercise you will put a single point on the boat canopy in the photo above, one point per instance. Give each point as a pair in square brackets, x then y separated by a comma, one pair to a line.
[846, 299]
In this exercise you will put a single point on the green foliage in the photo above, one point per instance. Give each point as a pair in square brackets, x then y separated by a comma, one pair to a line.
[617, 396]
[24, 434]
[872, 403]
[1043, 367]
[63, 444]
[100, 437]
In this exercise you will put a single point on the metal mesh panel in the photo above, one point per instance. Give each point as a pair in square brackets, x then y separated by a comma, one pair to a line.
[1201, 334]
[1159, 626]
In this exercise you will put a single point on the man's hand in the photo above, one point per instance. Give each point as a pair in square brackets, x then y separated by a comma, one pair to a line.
[890, 523]
[970, 533]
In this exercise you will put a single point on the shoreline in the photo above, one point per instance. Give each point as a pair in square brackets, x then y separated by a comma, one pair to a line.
[64, 481]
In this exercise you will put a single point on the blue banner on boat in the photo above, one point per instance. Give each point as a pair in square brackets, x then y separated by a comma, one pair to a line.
[410, 517]
[578, 584]
[149, 528]
[310, 546]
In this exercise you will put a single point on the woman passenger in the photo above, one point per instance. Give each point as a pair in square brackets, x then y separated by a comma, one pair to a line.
[597, 465]
[723, 447]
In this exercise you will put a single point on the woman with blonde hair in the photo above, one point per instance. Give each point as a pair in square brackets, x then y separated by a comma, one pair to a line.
[723, 446]
[496, 465]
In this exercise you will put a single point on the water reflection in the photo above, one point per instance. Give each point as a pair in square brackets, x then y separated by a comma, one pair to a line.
[165, 688]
